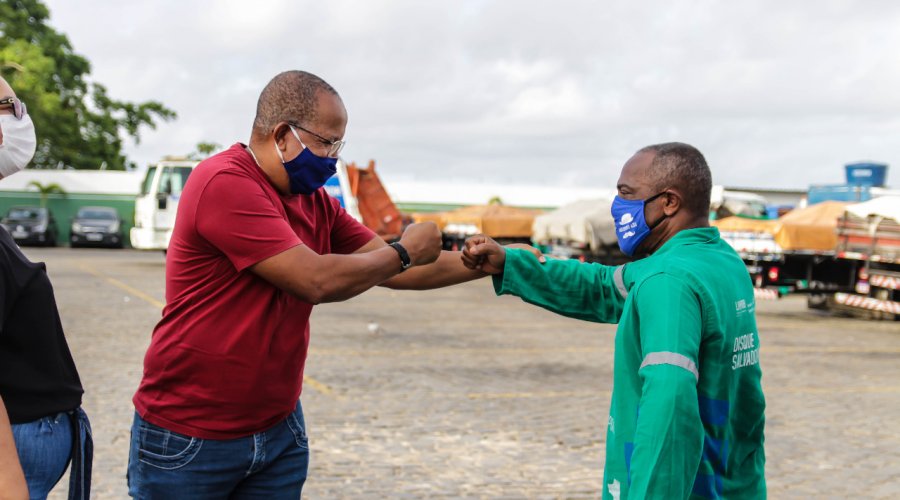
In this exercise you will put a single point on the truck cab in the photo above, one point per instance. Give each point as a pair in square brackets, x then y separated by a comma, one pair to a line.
[155, 207]
[725, 203]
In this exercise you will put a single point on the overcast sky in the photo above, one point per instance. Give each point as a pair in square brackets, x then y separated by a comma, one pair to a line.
[775, 94]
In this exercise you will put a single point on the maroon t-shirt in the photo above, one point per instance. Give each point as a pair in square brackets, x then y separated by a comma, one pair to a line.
[227, 358]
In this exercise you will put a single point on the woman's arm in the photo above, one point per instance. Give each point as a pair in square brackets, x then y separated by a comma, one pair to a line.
[12, 479]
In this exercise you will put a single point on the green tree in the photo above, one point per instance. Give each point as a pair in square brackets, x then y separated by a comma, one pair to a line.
[78, 124]
[204, 150]
[46, 190]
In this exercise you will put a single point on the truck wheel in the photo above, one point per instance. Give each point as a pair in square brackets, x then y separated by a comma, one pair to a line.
[817, 301]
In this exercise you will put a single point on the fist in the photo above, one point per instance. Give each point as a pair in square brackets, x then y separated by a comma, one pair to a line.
[423, 242]
[484, 254]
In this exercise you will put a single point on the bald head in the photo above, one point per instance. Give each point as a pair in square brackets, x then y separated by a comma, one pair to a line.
[681, 166]
[291, 97]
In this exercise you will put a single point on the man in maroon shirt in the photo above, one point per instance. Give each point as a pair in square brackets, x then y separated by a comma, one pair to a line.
[257, 242]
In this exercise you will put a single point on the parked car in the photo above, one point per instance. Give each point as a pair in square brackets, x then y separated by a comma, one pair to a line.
[31, 225]
[96, 226]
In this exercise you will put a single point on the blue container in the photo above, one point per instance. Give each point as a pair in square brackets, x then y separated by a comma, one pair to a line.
[776, 211]
[866, 174]
[857, 193]
[333, 188]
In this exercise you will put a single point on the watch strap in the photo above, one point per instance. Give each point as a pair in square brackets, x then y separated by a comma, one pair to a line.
[405, 261]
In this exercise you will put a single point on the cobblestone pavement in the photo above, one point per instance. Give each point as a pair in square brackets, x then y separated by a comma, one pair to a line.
[458, 394]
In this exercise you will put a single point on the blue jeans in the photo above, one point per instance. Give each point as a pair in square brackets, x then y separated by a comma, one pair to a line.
[44, 447]
[166, 465]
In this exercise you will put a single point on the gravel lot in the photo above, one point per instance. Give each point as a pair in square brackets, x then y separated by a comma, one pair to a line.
[459, 394]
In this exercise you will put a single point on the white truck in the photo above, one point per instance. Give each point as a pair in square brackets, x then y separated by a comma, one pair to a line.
[157, 204]
[724, 203]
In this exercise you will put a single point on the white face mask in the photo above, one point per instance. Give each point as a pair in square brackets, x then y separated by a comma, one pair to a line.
[19, 143]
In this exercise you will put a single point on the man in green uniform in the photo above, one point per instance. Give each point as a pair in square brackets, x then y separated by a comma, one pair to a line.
[687, 412]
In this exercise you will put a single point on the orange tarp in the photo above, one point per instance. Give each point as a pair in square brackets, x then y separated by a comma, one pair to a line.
[810, 228]
[496, 221]
[428, 217]
[743, 224]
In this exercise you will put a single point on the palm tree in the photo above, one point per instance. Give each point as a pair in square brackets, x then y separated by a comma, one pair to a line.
[46, 190]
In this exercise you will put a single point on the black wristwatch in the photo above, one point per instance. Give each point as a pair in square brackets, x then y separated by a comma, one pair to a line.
[405, 262]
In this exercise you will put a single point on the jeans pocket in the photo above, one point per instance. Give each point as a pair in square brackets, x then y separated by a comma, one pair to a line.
[298, 429]
[165, 449]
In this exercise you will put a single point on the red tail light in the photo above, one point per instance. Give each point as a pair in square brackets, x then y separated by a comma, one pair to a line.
[773, 274]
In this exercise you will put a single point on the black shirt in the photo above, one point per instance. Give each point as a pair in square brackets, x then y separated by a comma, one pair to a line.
[37, 374]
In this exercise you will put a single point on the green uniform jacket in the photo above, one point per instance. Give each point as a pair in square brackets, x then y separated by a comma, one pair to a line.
[687, 412]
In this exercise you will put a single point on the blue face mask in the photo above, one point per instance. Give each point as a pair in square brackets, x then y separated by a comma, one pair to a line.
[631, 227]
[307, 172]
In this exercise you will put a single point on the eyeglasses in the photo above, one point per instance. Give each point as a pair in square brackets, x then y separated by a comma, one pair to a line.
[17, 105]
[334, 147]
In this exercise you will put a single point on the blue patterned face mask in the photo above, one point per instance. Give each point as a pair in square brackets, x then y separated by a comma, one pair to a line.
[631, 227]
[307, 172]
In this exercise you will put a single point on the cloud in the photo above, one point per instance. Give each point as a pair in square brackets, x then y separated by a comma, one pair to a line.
[774, 94]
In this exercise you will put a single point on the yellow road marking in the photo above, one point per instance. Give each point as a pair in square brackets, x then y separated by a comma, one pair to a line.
[112, 281]
[318, 386]
[324, 389]
[309, 381]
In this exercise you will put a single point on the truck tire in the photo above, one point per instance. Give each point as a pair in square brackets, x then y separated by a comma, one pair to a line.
[817, 300]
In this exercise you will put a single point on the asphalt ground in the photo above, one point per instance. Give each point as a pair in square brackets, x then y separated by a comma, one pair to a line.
[459, 394]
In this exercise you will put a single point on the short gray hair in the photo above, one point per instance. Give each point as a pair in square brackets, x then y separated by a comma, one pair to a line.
[682, 166]
[289, 97]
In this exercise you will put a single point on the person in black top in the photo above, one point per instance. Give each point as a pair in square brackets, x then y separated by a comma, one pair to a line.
[39, 384]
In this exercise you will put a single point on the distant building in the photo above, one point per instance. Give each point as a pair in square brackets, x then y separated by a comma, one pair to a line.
[776, 196]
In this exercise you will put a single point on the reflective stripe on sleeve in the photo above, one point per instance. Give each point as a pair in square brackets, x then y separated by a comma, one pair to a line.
[619, 280]
[671, 358]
